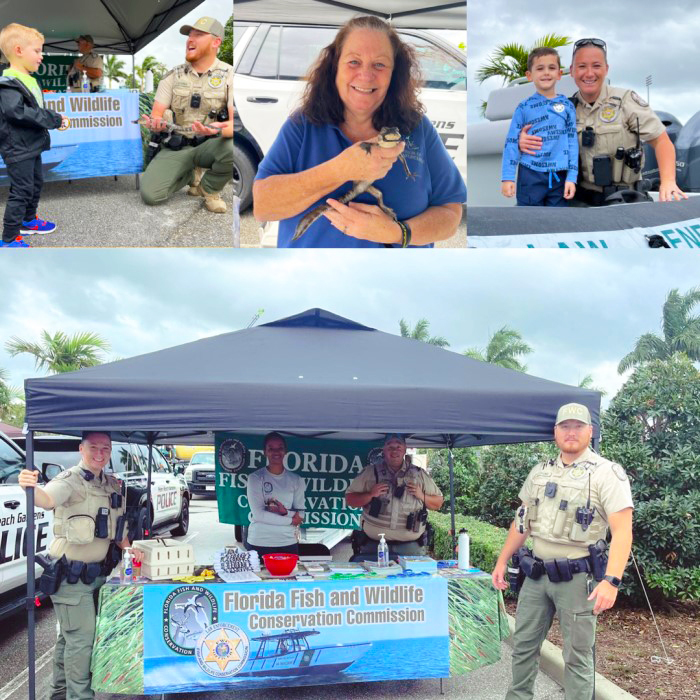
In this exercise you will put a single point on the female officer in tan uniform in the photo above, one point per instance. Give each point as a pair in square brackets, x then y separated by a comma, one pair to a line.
[607, 118]
[77, 496]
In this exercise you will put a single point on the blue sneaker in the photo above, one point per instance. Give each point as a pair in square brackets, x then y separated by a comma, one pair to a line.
[17, 243]
[37, 226]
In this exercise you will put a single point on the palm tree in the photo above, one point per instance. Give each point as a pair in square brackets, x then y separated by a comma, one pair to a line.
[10, 396]
[681, 332]
[420, 332]
[155, 66]
[113, 69]
[587, 383]
[509, 61]
[505, 346]
[61, 353]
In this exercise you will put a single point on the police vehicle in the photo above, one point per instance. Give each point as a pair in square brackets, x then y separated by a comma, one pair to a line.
[13, 522]
[170, 496]
[270, 61]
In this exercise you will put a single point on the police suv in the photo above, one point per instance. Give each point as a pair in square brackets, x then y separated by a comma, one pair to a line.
[270, 61]
[13, 527]
[170, 497]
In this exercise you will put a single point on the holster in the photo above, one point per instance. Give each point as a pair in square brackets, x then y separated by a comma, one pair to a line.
[114, 556]
[53, 573]
[90, 572]
[599, 559]
[531, 567]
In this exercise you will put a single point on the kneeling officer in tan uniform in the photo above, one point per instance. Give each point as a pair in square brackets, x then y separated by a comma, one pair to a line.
[568, 504]
[89, 527]
[197, 95]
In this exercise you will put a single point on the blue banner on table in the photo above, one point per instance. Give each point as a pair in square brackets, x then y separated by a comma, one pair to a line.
[100, 141]
[293, 634]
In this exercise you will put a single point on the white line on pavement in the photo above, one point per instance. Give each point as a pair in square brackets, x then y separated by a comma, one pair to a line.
[21, 678]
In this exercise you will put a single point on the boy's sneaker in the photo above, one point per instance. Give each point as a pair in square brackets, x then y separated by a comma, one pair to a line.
[37, 226]
[17, 243]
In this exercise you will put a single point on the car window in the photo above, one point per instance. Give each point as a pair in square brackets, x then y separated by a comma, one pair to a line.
[66, 459]
[238, 32]
[440, 70]
[265, 65]
[202, 458]
[11, 462]
[251, 51]
[300, 47]
[124, 460]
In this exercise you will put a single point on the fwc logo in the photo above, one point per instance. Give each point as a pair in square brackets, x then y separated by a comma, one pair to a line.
[222, 650]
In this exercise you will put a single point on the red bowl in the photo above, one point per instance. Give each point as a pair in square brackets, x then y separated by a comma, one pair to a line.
[280, 564]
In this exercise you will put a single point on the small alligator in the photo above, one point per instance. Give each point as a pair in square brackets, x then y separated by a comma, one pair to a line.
[171, 126]
[389, 136]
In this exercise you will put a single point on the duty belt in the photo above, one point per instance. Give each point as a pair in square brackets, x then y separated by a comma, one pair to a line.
[557, 570]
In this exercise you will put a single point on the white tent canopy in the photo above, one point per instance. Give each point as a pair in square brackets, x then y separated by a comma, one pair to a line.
[413, 14]
[118, 26]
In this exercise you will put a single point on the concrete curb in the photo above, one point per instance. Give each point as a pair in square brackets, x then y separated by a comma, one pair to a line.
[552, 663]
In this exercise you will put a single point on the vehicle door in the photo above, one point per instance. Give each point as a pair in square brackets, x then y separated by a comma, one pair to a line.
[269, 73]
[165, 487]
[13, 521]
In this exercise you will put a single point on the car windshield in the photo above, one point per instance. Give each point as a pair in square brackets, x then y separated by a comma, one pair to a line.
[202, 458]
[11, 462]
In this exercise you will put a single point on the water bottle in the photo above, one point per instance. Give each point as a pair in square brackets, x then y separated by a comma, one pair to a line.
[382, 552]
[127, 573]
[463, 542]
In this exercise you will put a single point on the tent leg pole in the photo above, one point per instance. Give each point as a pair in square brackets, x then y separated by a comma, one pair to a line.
[31, 680]
[442, 692]
[148, 485]
[452, 501]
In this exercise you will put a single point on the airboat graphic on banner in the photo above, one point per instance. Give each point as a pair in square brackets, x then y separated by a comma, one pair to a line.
[101, 139]
[304, 633]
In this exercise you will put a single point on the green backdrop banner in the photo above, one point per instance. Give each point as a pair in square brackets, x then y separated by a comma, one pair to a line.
[328, 467]
[53, 71]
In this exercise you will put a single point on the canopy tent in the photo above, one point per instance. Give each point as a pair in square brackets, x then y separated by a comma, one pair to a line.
[118, 26]
[314, 374]
[410, 14]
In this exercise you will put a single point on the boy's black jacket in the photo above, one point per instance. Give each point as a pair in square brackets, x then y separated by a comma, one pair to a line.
[23, 124]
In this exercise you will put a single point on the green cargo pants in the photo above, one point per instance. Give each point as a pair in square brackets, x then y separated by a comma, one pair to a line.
[537, 603]
[170, 171]
[74, 604]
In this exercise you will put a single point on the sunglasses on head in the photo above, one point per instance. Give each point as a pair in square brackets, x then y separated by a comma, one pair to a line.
[592, 42]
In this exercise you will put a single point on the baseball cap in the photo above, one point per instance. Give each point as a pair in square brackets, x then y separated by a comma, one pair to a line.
[87, 38]
[205, 24]
[573, 411]
[394, 436]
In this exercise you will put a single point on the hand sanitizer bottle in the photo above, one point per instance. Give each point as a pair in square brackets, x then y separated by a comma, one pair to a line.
[382, 552]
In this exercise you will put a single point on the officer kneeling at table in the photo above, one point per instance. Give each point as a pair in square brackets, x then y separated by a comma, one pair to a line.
[395, 497]
[198, 96]
[89, 529]
[568, 504]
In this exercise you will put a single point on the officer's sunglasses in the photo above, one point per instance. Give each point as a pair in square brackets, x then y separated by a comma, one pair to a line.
[591, 42]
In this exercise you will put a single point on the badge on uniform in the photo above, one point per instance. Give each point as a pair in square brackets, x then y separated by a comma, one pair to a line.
[215, 79]
[558, 107]
[638, 99]
[608, 114]
[577, 472]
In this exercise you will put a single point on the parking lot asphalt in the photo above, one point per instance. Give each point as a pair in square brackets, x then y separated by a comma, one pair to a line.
[250, 237]
[108, 212]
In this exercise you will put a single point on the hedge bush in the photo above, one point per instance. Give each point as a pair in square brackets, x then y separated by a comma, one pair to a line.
[652, 428]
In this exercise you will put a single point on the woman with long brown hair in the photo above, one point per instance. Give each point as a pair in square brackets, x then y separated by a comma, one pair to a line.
[362, 84]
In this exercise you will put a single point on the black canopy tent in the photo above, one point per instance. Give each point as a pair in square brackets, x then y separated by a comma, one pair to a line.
[314, 374]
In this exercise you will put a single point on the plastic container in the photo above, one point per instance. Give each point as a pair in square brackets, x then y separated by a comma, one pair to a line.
[165, 558]
[127, 572]
[463, 555]
[382, 551]
[280, 564]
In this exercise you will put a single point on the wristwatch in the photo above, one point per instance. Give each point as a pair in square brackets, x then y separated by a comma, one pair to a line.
[613, 580]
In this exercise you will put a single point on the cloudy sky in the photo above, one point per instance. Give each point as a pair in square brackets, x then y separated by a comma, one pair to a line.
[169, 47]
[643, 36]
[580, 311]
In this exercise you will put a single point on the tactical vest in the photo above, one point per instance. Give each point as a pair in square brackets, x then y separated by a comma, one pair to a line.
[556, 494]
[76, 522]
[212, 90]
[395, 510]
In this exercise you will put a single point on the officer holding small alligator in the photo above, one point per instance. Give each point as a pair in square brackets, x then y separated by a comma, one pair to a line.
[197, 96]
[568, 504]
[89, 530]
[611, 123]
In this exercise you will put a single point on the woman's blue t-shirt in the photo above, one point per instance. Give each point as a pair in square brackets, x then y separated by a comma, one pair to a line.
[301, 145]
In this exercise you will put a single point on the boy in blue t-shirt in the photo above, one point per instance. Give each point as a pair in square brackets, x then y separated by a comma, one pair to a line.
[24, 124]
[548, 178]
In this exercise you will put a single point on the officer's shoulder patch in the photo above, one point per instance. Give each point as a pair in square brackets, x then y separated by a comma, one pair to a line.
[638, 99]
[63, 475]
[619, 472]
